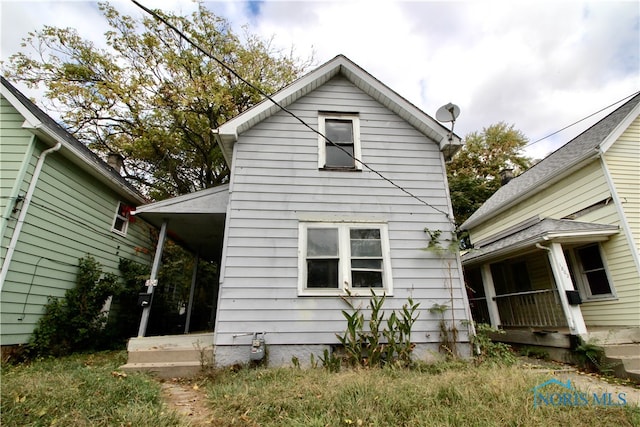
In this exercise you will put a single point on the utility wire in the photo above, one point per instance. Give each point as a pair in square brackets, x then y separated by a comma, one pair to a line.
[281, 107]
[581, 120]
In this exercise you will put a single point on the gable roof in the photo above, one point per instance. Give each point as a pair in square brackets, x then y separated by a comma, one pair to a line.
[583, 148]
[49, 131]
[227, 134]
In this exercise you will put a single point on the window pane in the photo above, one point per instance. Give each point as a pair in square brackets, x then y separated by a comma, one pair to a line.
[322, 242]
[338, 158]
[119, 224]
[339, 131]
[365, 233]
[366, 248]
[365, 242]
[371, 264]
[598, 282]
[322, 273]
[590, 258]
[366, 279]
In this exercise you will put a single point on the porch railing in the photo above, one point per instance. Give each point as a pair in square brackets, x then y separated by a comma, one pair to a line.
[533, 308]
[479, 310]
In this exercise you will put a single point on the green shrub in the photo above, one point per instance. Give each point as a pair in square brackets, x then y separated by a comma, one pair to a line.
[488, 351]
[76, 322]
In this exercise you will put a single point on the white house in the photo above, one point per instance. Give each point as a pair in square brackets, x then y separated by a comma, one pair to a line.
[305, 221]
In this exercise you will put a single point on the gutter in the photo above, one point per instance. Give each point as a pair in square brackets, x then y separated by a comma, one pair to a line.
[23, 212]
[87, 160]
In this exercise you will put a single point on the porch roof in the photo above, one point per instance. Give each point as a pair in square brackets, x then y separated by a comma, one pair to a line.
[544, 230]
[195, 220]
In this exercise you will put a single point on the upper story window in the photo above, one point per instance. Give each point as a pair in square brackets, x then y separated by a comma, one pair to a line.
[340, 150]
[336, 257]
[121, 219]
[592, 278]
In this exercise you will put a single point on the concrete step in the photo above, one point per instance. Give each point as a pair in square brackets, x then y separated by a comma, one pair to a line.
[630, 363]
[614, 335]
[622, 350]
[185, 341]
[165, 370]
[169, 355]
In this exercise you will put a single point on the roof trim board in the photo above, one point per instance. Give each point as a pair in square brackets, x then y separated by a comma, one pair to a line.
[228, 133]
[606, 144]
[42, 125]
[583, 148]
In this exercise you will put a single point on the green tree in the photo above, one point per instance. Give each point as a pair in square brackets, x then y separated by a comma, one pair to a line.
[150, 96]
[475, 171]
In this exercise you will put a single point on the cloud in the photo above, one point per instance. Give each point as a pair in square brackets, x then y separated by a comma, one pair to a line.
[537, 65]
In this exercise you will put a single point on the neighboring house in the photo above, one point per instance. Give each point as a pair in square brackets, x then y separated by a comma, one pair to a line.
[59, 202]
[303, 223]
[556, 249]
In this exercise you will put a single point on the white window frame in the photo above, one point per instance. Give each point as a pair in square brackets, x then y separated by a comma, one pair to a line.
[125, 219]
[322, 144]
[581, 277]
[344, 263]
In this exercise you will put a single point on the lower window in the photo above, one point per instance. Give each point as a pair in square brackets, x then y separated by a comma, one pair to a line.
[340, 257]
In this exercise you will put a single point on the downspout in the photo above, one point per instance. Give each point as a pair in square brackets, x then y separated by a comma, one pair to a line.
[15, 192]
[23, 212]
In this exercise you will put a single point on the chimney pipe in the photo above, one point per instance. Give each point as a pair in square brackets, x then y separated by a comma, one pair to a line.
[115, 160]
[506, 175]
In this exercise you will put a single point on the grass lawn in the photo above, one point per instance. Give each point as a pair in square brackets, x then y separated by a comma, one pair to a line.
[88, 390]
[81, 390]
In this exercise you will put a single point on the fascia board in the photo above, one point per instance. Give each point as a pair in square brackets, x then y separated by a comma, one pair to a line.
[50, 136]
[619, 129]
[534, 189]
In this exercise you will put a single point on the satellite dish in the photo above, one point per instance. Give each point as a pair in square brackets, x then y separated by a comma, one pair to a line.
[448, 113]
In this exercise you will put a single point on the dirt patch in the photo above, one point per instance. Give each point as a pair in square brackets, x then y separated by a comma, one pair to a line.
[188, 400]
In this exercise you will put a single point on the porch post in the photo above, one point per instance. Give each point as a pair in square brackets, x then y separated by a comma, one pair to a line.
[564, 283]
[146, 311]
[191, 292]
[490, 295]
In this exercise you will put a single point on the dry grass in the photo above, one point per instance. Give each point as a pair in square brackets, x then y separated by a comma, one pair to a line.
[88, 390]
[464, 395]
[81, 390]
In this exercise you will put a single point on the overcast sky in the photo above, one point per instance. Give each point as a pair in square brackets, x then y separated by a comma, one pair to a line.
[538, 65]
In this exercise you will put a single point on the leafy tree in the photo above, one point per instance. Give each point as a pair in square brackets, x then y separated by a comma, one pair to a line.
[475, 171]
[150, 96]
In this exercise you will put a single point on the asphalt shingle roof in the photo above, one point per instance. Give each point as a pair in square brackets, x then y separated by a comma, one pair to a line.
[546, 228]
[62, 135]
[532, 180]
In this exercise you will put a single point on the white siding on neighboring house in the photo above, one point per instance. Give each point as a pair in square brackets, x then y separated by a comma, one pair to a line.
[276, 184]
[623, 162]
[583, 188]
[578, 191]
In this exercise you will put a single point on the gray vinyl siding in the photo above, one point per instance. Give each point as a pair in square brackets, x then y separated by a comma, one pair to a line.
[276, 183]
[70, 216]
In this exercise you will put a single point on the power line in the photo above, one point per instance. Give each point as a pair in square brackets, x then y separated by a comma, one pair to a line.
[581, 120]
[281, 107]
